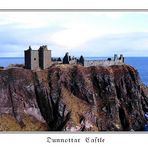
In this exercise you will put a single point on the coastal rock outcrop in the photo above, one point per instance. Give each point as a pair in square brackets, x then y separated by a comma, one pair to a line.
[18, 106]
[72, 98]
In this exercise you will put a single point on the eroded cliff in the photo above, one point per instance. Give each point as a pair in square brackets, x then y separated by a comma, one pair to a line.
[72, 98]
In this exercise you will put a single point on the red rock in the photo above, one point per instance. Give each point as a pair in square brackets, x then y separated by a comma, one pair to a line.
[73, 97]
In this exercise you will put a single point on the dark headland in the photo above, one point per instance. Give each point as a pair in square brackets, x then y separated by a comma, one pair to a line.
[71, 94]
[72, 98]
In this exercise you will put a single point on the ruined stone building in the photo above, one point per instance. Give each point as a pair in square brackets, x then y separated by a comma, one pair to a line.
[41, 59]
[108, 62]
[37, 59]
[86, 63]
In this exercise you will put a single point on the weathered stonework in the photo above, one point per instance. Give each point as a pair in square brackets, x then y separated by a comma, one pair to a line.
[38, 59]
[44, 57]
[114, 61]
[41, 59]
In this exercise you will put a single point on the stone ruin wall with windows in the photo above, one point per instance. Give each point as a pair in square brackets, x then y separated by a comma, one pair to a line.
[41, 59]
[88, 63]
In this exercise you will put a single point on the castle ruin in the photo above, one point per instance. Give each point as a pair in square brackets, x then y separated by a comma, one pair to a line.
[107, 62]
[37, 59]
[86, 63]
[41, 59]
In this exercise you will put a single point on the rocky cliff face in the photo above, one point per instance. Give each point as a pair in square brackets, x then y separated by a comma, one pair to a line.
[72, 98]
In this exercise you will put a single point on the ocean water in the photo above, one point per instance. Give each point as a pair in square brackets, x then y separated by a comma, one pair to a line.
[4, 62]
[139, 63]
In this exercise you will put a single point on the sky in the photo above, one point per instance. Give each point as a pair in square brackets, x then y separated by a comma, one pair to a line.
[99, 34]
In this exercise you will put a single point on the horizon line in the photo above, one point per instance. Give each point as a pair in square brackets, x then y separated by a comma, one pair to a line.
[88, 56]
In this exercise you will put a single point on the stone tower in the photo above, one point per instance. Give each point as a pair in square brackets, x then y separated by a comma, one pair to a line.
[121, 58]
[31, 59]
[115, 57]
[44, 57]
[37, 59]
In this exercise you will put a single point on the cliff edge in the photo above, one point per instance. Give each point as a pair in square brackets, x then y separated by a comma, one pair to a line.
[72, 98]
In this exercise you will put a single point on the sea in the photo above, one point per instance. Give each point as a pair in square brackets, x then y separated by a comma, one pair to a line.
[139, 63]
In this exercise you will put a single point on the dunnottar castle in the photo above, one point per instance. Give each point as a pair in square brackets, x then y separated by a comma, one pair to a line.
[42, 59]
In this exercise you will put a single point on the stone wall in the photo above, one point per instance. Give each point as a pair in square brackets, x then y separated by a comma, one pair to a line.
[34, 59]
[27, 59]
[88, 63]
[46, 59]
[73, 61]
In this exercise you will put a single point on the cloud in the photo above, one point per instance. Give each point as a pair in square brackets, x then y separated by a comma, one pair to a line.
[14, 40]
[129, 44]
[88, 33]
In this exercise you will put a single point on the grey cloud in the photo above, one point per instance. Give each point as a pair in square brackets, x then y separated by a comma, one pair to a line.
[128, 44]
[14, 39]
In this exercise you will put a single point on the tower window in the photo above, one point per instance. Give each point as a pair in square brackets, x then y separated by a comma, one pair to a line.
[34, 59]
